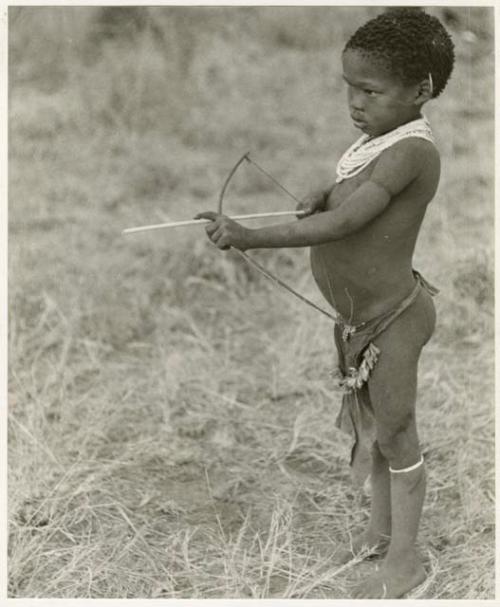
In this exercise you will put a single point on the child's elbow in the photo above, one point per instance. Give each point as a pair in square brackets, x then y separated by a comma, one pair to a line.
[345, 227]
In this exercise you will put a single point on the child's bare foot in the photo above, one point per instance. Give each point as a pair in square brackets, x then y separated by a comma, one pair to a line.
[374, 544]
[395, 578]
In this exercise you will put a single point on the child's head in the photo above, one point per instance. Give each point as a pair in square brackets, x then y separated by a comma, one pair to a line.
[411, 43]
[393, 64]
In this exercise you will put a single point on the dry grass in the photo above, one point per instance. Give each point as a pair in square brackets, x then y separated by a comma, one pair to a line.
[170, 413]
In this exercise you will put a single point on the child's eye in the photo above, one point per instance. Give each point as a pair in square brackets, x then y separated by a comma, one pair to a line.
[371, 92]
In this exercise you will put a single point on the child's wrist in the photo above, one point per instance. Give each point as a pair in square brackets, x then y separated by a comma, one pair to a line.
[251, 238]
[263, 237]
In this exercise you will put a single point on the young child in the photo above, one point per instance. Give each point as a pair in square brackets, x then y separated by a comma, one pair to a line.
[362, 233]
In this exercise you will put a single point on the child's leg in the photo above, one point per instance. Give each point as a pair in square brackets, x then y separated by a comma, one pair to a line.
[392, 388]
[379, 526]
[375, 538]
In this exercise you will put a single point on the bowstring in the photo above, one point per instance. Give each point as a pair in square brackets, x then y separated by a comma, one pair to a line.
[257, 166]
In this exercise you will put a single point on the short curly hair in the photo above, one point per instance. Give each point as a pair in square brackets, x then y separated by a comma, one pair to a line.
[411, 43]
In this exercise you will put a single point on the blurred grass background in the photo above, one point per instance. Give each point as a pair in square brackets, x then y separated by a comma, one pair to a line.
[171, 413]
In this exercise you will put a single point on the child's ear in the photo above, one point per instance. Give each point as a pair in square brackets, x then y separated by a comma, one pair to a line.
[425, 91]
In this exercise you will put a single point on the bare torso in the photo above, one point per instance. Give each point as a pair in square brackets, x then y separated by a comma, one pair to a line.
[366, 273]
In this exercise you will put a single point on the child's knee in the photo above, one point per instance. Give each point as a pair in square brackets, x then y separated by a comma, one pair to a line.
[399, 446]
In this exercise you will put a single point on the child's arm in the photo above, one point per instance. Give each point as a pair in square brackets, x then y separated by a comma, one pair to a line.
[396, 168]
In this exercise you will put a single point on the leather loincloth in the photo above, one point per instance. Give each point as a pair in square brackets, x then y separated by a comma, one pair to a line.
[358, 356]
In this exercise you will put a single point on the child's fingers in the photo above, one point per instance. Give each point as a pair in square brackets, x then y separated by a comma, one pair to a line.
[220, 239]
[305, 210]
[212, 215]
[219, 236]
[221, 230]
[311, 204]
[216, 234]
[211, 228]
[222, 244]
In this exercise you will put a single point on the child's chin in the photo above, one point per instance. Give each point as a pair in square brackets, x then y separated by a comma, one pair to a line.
[371, 131]
[363, 127]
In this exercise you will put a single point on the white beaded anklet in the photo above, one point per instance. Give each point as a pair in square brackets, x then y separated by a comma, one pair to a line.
[410, 468]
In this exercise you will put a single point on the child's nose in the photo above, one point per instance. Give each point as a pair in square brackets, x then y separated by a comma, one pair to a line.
[356, 99]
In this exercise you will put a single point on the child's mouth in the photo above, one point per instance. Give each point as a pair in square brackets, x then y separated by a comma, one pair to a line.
[358, 122]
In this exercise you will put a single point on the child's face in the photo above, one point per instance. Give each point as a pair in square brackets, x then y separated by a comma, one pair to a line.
[378, 101]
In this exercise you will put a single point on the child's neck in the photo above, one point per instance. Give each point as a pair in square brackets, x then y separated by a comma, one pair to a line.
[414, 116]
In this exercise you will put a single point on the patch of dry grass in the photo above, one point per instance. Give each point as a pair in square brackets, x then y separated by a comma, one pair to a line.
[170, 413]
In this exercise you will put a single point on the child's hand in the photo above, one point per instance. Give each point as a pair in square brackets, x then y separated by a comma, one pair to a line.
[313, 203]
[224, 232]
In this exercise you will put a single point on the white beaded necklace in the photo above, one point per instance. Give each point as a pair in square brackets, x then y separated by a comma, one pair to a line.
[367, 148]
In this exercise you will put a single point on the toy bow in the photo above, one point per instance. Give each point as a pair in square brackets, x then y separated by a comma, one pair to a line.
[251, 260]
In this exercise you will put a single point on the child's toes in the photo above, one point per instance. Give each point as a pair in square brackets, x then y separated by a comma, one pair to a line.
[372, 588]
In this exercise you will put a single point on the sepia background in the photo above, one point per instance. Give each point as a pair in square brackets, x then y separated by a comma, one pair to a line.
[171, 413]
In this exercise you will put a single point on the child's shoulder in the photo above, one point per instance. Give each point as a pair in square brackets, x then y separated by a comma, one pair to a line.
[416, 146]
[414, 150]
[404, 162]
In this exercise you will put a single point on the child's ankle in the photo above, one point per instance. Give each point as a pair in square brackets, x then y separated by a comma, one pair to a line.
[403, 554]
